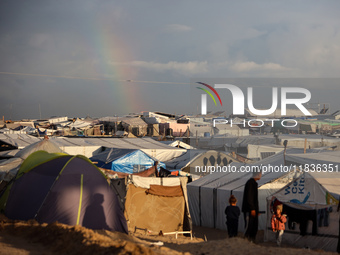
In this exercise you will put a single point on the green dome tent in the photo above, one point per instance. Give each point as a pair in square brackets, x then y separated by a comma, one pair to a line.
[69, 189]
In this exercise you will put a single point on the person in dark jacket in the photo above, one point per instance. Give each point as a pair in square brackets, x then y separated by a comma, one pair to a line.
[232, 212]
[250, 206]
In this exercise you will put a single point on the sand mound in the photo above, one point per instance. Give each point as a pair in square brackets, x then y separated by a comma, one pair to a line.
[63, 239]
[30, 237]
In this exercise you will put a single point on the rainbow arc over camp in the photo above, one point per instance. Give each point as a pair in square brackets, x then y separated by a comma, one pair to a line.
[209, 93]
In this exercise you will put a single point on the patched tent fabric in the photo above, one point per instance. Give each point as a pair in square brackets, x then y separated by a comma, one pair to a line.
[125, 160]
[158, 190]
[64, 188]
[157, 212]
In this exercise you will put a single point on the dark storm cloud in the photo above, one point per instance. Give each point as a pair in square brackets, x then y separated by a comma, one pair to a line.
[159, 41]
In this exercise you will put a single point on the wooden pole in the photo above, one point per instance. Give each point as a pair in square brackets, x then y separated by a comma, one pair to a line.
[304, 150]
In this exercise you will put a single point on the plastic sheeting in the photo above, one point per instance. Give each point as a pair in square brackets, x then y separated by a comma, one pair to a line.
[125, 160]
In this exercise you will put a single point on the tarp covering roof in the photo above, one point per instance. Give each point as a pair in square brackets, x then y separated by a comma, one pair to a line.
[323, 157]
[79, 124]
[123, 143]
[125, 160]
[19, 140]
[263, 151]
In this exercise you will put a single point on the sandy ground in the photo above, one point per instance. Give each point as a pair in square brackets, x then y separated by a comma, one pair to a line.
[18, 237]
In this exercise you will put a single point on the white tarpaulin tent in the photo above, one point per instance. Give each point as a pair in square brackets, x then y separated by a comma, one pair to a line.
[309, 201]
[322, 160]
[89, 147]
[197, 161]
[266, 150]
[208, 196]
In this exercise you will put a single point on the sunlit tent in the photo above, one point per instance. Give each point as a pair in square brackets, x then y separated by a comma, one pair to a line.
[310, 203]
[178, 144]
[69, 189]
[125, 160]
[157, 204]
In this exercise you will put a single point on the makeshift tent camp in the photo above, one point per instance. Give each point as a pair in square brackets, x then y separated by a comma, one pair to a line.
[157, 204]
[64, 188]
[125, 160]
[88, 147]
[208, 196]
[310, 202]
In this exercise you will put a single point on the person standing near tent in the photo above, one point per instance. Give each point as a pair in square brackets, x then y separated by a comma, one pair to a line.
[278, 223]
[250, 206]
[232, 212]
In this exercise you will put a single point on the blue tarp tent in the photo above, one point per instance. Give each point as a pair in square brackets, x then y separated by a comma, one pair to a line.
[125, 160]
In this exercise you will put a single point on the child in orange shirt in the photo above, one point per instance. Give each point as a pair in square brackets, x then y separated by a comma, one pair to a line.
[278, 223]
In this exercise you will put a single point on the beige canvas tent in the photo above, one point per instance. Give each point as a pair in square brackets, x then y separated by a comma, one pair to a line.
[157, 204]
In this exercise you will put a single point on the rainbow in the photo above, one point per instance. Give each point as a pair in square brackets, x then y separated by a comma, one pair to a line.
[111, 47]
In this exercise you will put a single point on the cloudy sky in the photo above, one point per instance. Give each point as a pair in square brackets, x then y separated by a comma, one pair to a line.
[102, 57]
